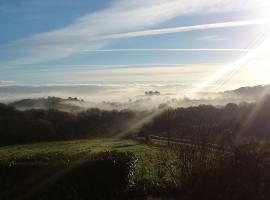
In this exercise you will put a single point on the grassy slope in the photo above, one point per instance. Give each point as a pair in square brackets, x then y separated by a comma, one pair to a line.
[50, 153]
[69, 148]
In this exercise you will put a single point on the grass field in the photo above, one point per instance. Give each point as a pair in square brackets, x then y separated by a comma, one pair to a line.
[69, 149]
[157, 171]
[41, 165]
[28, 161]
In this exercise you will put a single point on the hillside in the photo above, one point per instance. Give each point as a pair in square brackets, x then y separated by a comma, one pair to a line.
[48, 103]
[251, 92]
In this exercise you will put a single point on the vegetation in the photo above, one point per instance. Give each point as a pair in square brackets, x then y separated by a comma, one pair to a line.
[220, 125]
[67, 149]
[152, 93]
[124, 169]
[18, 127]
[205, 123]
[102, 169]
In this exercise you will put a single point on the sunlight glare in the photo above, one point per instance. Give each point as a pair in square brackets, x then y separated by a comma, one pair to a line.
[260, 50]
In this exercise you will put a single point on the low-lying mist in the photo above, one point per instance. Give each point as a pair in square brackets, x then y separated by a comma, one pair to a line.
[136, 97]
[208, 123]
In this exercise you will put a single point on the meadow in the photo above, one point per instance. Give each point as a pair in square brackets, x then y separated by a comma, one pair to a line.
[127, 169]
[66, 149]
[40, 165]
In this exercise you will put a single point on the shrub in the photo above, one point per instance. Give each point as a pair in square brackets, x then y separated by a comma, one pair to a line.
[104, 175]
[243, 174]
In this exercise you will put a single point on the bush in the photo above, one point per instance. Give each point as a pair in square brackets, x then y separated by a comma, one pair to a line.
[243, 174]
[193, 172]
[104, 175]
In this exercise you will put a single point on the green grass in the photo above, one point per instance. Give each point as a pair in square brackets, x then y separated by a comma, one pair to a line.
[68, 152]
[70, 148]
[52, 157]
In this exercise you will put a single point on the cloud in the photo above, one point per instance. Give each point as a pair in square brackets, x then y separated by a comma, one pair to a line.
[180, 29]
[260, 46]
[210, 38]
[6, 82]
[168, 50]
[126, 18]
[124, 74]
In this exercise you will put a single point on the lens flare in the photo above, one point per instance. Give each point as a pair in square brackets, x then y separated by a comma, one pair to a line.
[261, 47]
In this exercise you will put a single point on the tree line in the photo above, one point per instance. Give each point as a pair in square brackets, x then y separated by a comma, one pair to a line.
[48, 125]
[207, 123]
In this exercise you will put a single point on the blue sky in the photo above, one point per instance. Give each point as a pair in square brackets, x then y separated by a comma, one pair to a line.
[127, 41]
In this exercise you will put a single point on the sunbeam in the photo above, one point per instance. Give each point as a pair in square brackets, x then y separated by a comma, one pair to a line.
[260, 47]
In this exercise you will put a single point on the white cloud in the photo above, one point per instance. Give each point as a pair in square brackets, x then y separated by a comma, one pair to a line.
[6, 82]
[125, 74]
[210, 38]
[260, 47]
[122, 19]
[168, 50]
[186, 29]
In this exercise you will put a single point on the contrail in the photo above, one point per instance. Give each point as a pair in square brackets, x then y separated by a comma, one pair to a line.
[260, 44]
[167, 50]
[179, 29]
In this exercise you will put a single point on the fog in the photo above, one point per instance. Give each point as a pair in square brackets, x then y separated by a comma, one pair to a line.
[138, 97]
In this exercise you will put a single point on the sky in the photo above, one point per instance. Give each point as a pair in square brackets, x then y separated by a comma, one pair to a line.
[203, 44]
